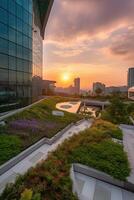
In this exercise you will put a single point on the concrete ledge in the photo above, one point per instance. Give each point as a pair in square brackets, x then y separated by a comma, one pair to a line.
[12, 162]
[58, 135]
[88, 171]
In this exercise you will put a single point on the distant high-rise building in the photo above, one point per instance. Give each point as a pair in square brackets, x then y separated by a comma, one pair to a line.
[77, 85]
[131, 77]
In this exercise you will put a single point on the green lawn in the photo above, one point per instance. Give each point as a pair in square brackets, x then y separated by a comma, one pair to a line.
[31, 125]
[50, 180]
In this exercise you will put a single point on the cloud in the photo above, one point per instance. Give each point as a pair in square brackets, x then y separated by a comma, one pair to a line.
[123, 44]
[73, 19]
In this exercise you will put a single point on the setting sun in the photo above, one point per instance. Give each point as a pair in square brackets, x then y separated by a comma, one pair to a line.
[66, 77]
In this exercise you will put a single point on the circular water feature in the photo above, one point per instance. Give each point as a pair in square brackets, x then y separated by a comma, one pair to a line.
[71, 106]
[66, 106]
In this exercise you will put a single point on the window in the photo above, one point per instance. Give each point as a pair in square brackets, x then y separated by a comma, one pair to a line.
[12, 62]
[12, 6]
[19, 12]
[30, 19]
[30, 43]
[12, 49]
[12, 21]
[25, 41]
[30, 32]
[3, 16]
[20, 91]
[20, 65]
[3, 76]
[20, 77]
[30, 67]
[3, 3]
[3, 61]
[12, 35]
[19, 51]
[25, 16]
[19, 2]
[26, 66]
[26, 29]
[30, 6]
[19, 25]
[3, 31]
[25, 4]
[26, 78]
[25, 54]
[12, 77]
[3, 46]
[19, 38]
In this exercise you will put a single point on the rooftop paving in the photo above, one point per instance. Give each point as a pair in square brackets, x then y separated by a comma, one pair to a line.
[128, 142]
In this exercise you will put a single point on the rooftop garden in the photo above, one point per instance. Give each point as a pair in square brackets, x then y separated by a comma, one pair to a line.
[27, 127]
[50, 179]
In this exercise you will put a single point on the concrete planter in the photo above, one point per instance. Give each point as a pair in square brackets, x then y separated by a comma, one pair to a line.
[88, 171]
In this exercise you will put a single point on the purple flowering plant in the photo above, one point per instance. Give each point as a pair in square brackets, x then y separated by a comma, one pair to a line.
[32, 125]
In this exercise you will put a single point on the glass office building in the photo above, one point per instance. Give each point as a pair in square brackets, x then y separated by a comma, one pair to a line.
[22, 25]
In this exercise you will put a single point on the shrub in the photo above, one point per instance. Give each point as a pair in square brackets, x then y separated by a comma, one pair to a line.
[109, 128]
[27, 194]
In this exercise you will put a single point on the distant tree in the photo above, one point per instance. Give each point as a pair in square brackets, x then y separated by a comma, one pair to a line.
[98, 91]
[117, 110]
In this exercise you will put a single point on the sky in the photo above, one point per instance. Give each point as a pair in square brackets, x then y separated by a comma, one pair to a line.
[90, 39]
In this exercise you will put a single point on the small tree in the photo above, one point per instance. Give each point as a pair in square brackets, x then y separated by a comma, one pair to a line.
[117, 111]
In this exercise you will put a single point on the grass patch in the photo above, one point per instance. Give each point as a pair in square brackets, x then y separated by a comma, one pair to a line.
[9, 146]
[32, 124]
[51, 178]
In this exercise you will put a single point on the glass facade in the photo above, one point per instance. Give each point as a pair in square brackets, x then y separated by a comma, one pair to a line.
[15, 50]
[37, 53]
[20, 50]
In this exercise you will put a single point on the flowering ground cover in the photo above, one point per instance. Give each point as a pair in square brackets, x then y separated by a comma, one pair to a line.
[50, 179]
[31, 125]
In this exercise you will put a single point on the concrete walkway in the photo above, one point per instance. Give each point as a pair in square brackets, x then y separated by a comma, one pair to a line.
[38, 155]
[128, 142]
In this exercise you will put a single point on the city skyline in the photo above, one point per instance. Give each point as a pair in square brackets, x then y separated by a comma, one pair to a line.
[89, 42]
